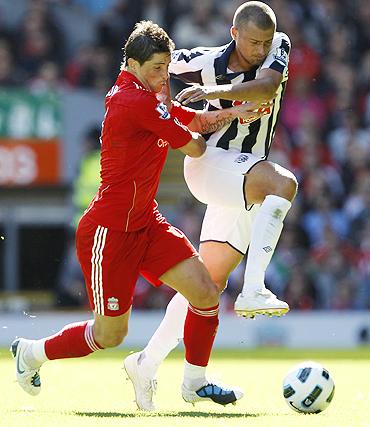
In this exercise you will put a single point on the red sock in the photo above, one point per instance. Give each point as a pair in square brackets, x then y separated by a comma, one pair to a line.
[199, 333]
[74, 340]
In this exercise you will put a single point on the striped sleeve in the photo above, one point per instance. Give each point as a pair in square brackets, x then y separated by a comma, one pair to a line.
[187, 65]
[278, 56]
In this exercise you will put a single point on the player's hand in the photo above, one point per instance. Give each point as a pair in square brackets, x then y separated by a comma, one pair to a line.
[196, 93]
[249, 112]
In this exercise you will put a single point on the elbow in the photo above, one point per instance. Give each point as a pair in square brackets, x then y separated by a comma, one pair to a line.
[270, 89]
[198, 148]
[200, 151]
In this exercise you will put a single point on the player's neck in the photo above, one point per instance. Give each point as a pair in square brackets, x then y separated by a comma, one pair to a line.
[238, 63]
[141, 79]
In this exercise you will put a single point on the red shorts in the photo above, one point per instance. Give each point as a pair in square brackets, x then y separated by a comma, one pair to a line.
[112, 260]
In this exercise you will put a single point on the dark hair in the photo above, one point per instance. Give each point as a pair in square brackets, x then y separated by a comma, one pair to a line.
[146, 40]
[257, 12]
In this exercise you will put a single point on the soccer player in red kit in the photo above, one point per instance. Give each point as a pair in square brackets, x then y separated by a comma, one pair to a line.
[122, 234]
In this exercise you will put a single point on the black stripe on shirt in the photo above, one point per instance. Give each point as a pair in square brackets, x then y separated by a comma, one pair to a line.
[250, 140]
[191, 77]
[277, 116]
[268, 134]
[231, 132]
[187, 58]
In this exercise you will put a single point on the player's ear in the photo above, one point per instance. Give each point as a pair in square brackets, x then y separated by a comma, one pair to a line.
[133, 64]
[233, 32]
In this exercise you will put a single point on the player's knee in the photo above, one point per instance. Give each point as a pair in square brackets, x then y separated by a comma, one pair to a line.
[289, 186]
[283, 183]
[221, 282]
[207, 295]
[111, 339]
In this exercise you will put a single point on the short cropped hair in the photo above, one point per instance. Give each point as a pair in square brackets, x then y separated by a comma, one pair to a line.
[146, 39]
[257, 12]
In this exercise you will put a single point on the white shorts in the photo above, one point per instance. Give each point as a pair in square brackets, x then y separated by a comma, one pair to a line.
[217, 177]
[228, 225]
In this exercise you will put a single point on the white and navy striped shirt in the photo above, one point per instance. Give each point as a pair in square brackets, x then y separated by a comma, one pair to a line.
[208, 66]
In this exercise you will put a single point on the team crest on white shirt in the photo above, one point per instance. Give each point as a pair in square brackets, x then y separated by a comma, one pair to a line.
[241, 158]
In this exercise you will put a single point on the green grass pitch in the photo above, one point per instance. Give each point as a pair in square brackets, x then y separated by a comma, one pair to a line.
[93, 391]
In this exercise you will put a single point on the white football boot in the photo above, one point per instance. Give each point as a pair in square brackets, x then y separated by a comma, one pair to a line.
[27, 377]
[259, 302]
[214, 392]
[144, 386]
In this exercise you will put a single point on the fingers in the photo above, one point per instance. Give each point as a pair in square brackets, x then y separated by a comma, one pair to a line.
[250, 117]
[191, 94]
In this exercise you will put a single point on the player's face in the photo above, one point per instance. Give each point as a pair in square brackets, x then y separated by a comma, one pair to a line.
[154, 72]
[252, 43]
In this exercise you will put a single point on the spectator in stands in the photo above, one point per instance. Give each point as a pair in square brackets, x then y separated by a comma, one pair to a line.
[326, 109]
[71, 287]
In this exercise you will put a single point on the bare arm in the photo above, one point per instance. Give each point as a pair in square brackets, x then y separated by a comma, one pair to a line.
[195, 147]
[260, 90]
[212, 121]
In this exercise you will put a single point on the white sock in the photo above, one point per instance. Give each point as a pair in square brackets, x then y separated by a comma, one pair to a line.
[35, 355]
[266, 231]
[167, 336]
[194, 376]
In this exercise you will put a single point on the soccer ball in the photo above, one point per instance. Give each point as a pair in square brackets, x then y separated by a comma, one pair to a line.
[308, 388]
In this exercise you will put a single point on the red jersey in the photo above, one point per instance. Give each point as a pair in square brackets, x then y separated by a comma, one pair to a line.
[136, 132]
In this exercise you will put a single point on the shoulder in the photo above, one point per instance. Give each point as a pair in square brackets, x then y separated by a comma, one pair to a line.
[132, 94]
[281, 40]
[197, 53]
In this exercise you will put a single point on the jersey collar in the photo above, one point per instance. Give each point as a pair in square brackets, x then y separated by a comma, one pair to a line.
[222, 76]
[125, 76]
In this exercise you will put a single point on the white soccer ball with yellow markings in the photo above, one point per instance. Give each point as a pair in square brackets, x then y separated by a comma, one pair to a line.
[308, 388]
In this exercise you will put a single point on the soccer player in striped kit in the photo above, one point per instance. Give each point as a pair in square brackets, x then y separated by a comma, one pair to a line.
[247, 196]
[122, 233]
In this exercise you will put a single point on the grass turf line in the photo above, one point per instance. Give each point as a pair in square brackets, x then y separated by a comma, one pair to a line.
[92, 391]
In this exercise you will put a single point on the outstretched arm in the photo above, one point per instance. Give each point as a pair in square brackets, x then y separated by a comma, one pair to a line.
[211, 121]
[260, 90]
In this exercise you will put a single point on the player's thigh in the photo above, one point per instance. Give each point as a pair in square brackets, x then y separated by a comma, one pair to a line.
[170, 258]
[110, 261]
[191, 278]
[269, 178]
[220, 259]
[217, 177]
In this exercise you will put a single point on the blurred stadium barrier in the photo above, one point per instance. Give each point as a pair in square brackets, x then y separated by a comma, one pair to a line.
[345, 329]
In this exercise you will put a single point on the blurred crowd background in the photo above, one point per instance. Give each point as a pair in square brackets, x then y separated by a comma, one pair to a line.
[323, 258]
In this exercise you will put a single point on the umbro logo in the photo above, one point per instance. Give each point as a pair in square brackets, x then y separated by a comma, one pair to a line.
[267, 249]
[277, 213]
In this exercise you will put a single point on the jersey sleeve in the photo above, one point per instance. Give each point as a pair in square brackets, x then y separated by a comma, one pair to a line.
[186, 65]
[154, 116]
[183, 114]
[278, 56]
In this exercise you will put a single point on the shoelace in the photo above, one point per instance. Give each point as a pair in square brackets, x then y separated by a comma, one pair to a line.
[265, 293]
[152, 387]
